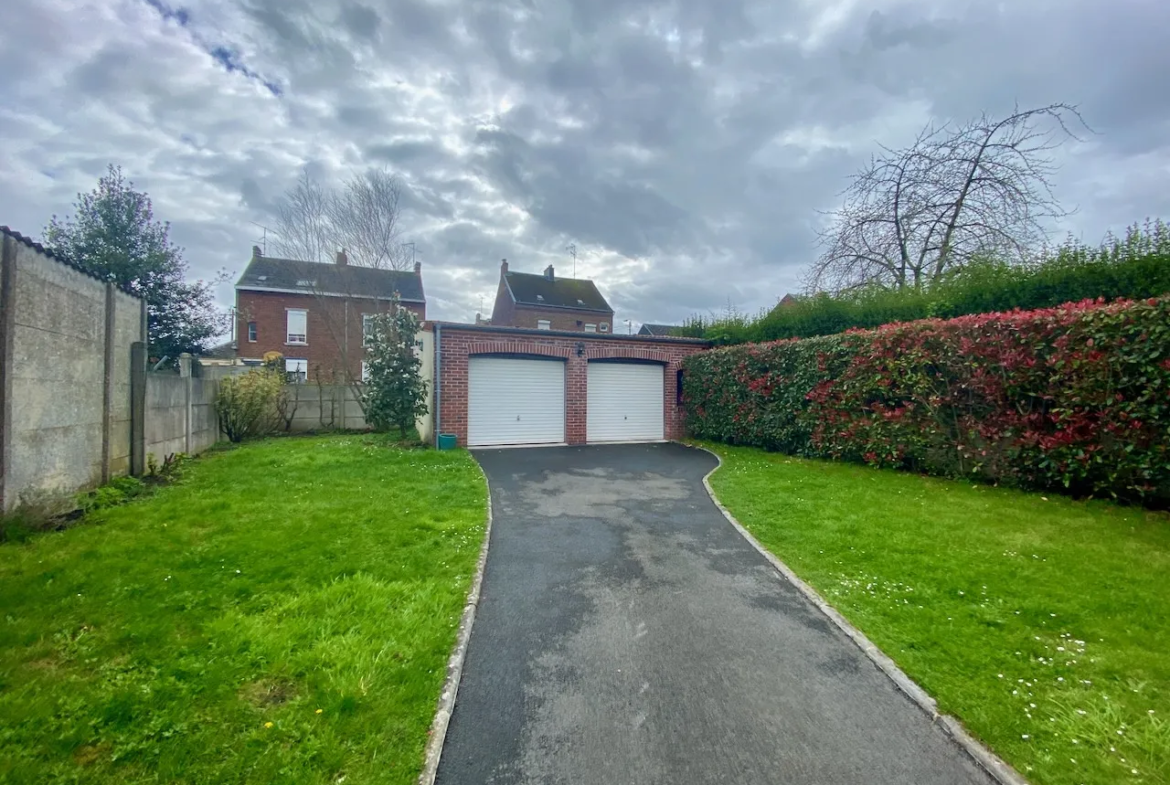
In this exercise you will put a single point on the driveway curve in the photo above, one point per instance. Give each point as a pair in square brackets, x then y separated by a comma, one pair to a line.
[627, 633]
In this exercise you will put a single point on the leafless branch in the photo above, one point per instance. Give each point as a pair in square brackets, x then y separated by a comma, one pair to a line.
[956, 193]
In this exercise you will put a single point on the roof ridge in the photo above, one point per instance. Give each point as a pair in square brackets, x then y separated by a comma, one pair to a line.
[31, 243]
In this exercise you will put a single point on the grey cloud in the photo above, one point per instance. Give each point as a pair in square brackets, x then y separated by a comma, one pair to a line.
[359, 20]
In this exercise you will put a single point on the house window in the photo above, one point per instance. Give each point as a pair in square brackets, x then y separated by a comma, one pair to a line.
[297, 371]
[365, 371]
[591, 328]
[298, 330]
[604, 327]
[543, 324]
[251, 332]
[367, 331]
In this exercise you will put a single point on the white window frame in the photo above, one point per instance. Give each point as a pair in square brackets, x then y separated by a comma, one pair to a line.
[367, 330]
[603, 327]
[296, 370]
[365, 371]
[253, 332]
[543, 324]
[291, 338]
[591, 328]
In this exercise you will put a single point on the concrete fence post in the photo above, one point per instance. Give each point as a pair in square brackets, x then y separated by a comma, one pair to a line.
[108, 379]
[185, 372]
[138, 408]
[7, 329]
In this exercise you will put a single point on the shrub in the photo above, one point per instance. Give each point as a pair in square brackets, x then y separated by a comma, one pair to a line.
[1075, 397]
[395, 393]
[118, 491]
[249, 404]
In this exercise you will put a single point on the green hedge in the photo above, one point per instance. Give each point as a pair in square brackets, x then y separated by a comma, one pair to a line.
[1074, 398]
[1134, 267]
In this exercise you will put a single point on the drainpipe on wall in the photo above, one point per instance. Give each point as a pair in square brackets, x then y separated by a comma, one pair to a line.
[438, 382]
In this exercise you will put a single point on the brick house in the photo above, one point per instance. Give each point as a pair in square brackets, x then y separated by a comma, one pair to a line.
[498, 385]
[545, 302]
[313, 313]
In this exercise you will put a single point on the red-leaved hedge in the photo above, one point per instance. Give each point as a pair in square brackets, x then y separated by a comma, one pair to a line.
[1075, 397]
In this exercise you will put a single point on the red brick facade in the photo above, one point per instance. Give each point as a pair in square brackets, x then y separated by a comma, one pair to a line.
[334, 328]
[457, 343]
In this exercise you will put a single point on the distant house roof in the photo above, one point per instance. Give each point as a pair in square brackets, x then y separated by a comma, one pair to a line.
[546, 292]
[658, 329]
[223, 351]
[267, 273]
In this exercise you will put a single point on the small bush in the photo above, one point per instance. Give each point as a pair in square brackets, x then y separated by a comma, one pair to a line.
[250, 403]
[1075, 398]
[118, 491]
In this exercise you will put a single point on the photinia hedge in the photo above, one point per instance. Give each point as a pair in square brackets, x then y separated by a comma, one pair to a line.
[1075, 397]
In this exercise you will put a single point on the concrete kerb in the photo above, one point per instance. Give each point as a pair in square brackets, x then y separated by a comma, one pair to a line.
[438, 731]
[985, 758]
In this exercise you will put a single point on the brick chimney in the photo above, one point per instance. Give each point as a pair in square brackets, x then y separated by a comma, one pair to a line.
[256, 253]
[342, 259]
[548, 272]
[418, 268]
[504, 267]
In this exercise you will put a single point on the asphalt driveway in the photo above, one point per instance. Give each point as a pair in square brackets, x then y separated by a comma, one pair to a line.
[626, 633]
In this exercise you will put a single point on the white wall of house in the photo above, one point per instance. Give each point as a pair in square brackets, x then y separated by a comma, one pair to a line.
[426, 423]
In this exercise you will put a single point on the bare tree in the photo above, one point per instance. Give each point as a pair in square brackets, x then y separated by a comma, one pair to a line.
[313, 220]
[983, 188]
[364, 219]
[303, 227]
[351, 227]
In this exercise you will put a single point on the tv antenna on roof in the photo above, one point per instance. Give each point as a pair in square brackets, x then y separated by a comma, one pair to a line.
[264, 237]
[572, 249]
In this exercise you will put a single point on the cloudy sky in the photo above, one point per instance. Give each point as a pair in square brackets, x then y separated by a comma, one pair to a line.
[686, 147]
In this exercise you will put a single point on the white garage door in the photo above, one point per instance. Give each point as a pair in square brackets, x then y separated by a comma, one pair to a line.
[625, 402]
[512, 401]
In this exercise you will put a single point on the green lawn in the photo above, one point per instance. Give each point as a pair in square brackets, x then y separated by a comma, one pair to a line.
[1042, 624]
[282, 615]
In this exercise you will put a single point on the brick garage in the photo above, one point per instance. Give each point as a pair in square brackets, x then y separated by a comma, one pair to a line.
[457, 344]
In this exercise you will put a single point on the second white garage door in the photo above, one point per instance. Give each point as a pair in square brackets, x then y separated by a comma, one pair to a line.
[625, 402]
[515, 401]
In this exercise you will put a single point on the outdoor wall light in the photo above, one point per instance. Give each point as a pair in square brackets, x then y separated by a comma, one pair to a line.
[580, 348]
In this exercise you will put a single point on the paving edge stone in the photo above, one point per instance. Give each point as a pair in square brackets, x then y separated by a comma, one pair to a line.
[999, 770]
[446, 705]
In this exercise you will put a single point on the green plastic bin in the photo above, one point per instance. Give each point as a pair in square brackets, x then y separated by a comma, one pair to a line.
[446, 441]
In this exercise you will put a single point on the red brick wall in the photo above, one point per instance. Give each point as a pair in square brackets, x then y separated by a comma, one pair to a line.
[333, 322]
[504, 309]
[458, 345]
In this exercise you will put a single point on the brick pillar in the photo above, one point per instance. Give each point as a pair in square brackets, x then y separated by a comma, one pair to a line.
[576, 380]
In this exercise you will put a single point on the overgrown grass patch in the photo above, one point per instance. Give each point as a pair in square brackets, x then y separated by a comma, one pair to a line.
[283, 615]
[1041, 623]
